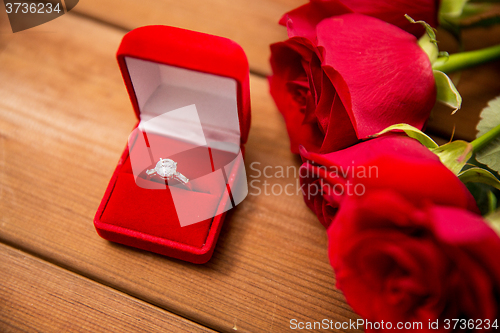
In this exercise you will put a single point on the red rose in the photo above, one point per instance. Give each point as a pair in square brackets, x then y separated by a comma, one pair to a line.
[392, 161]
[305, 18]
[401, 260]
[357, 76]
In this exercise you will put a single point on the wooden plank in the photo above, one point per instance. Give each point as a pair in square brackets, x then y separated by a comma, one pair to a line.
[64, 121]
[64, 109]
[252, 24]
[36, 296]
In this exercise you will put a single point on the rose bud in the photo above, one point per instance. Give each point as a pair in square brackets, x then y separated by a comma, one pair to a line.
[410, 261]
[392, 161]
[357, 76]
[305, 18]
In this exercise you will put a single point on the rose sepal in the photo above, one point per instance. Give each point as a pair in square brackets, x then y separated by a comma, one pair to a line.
[452, 154]
[479, 175]
[447, 93]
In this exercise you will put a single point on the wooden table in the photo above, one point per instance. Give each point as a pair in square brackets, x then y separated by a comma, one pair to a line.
[64, 120]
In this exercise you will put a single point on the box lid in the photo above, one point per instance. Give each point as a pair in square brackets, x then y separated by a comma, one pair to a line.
[167, 68]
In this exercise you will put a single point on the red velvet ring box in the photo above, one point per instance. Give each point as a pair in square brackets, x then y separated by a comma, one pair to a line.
[190, 92]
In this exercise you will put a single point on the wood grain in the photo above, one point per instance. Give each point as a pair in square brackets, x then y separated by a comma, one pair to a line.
[252, 24]
[64, 121]
[36, 296]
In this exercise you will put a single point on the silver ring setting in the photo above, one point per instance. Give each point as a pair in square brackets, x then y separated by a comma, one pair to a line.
[166, 169]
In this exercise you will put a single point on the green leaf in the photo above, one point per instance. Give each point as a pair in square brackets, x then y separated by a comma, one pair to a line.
[454, 154]
[452, 8]
[412, 132]
[447, 93]
[492, 201]
[485, 198]
[490, 118]
[493, 220]
[478, 175]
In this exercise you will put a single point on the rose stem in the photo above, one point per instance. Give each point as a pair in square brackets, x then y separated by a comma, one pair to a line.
[484, 139]
[463, 60]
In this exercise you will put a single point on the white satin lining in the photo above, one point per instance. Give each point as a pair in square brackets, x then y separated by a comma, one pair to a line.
[186, 105]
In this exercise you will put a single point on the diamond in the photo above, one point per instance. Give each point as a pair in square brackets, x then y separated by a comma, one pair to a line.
[166, 168]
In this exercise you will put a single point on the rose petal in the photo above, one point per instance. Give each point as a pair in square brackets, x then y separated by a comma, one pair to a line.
[411, 262]
[393, 11]
[391, 161]
[387, 145]
[286, 61]
[303, 20]
[481, 244]
[383, 79]
[340, 132]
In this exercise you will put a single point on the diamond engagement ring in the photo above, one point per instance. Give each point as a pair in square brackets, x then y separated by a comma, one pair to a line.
[167, 169]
